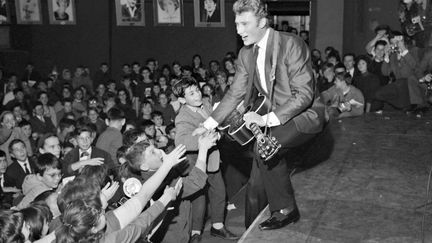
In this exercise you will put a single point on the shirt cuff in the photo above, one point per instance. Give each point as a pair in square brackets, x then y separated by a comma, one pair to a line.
[404, 53]
[272, 119]
[210, 123]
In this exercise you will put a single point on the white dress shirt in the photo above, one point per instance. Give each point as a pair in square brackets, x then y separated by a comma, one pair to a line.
[270, 119]
[89, 151]
[24, 165]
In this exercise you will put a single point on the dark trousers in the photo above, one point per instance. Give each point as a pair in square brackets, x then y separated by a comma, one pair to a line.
[216, 193]
[270, 181]
[395, 94]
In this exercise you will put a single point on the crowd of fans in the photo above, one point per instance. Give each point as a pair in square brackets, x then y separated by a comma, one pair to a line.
[68, 141]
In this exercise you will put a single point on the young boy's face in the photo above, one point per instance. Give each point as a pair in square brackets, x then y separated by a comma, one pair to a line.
[163, 99]
[150, 131]
[158, 121]
[68, 107]
[52, 146]
[193, 96]
[27, 130]
[3, 165]
[51, 177]
[19, 152]
[84, 140]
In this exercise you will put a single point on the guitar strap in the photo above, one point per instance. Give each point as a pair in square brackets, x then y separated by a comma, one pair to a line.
[276, 46]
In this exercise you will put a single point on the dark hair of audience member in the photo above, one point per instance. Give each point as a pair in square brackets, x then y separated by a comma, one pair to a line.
[79, 188]
[134, 155]
[98, 174]
[78, 218]
[24, 123]
[11, 223]
[380, 42]
[36, 217]
[46, 161]
[169, 127]
[131, 136]
[181, 85]
[13, 142]
[115, 114]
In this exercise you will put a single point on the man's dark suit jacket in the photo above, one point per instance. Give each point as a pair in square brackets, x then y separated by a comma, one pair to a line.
[42, 127]
[14, 175]
[73, 156]
[126, 16]
[295, 94]
[214, 18]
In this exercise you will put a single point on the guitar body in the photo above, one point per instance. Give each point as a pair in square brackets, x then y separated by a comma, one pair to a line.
[238, 130]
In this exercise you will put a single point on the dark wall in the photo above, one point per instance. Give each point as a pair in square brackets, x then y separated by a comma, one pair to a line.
[361, 16]
[96, 35]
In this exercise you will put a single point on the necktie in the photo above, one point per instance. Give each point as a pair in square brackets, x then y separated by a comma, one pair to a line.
[84, 154]
[27, 171]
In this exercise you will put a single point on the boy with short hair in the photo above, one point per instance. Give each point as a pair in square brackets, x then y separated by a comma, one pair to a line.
[85, 154]
[111, 139]
[193, 112]
[47, 177]
[146, 159]
[21, 166]
[27, 131]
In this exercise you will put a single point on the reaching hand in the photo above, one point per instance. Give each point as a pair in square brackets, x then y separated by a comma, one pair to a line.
[199, 131]
[93, 162]
[207, 140]
[109, 190]
[253, 117]
[175, 156]
[172, 192]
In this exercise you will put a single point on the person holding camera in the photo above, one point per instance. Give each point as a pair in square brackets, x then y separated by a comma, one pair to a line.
[404, 93]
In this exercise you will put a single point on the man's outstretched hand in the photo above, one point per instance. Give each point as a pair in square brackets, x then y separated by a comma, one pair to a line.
[199, 131]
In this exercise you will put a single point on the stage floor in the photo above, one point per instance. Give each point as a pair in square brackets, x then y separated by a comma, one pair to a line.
[371, 189]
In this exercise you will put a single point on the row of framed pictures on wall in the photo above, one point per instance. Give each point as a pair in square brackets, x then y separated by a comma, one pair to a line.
[207, 13]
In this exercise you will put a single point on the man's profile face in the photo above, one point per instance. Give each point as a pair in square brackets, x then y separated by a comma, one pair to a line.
[250, 28]
[209, 5]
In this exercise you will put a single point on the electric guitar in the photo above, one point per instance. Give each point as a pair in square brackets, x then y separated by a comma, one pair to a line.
[268, 146]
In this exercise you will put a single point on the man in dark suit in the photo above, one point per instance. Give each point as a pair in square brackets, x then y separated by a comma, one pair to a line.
[297, 113]
[211, 12]
[131, 11]
[40, 123]
[21, 166]
[85, 154]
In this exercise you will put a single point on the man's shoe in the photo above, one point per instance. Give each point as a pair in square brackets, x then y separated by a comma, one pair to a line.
[223, 233]
[279, 220]
[196, 238]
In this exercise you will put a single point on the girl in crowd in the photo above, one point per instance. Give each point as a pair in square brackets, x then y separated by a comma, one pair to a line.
[367, 82]
[229, 66]
[48, 110]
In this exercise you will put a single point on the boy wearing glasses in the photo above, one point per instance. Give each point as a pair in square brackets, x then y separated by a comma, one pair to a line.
[47, 177]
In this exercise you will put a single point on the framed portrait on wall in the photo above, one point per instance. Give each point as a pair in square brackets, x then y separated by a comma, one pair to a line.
[130, 12]
[209, 13]
[168, 12]
[62, 12]
[28, 11]
[4, 12]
